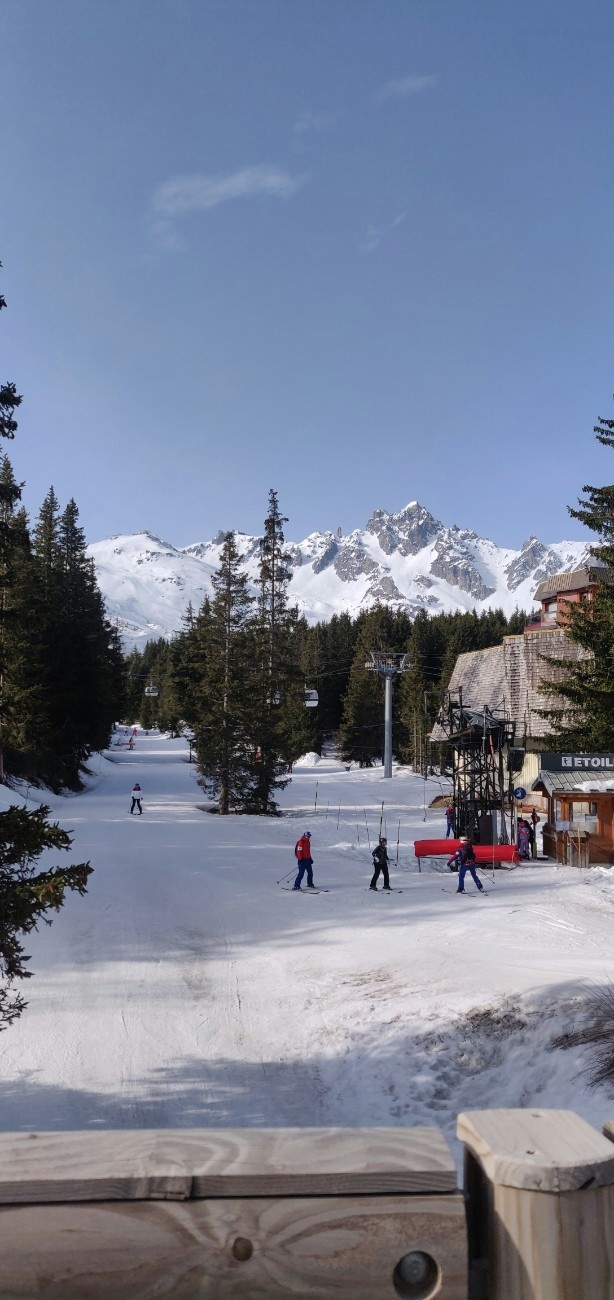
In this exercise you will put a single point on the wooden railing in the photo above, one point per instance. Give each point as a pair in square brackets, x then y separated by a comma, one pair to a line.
[367, 1214]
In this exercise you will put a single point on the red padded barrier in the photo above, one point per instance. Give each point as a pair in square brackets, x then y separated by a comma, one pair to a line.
[483, 852]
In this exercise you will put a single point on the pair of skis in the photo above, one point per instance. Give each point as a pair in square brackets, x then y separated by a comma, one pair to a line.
[291, 890]
[475, 893]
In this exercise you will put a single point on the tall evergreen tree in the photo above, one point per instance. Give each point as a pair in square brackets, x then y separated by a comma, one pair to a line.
[224, 735]
[25, 895]
[79, 658]
[14, 551]
[280, 726]
[9, 399]
[188, 663]
[586, 685]
[419, 697]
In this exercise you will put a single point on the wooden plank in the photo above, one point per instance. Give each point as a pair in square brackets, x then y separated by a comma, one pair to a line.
[325, 1162]
[125, 1165]
[552, 1247]
[256, 1249]
[540, 1150]
[178, 1164]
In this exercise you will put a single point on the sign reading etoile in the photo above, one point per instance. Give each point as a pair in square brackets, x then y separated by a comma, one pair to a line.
[576, 762]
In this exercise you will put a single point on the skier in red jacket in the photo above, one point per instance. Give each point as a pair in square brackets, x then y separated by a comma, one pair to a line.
[302, 852]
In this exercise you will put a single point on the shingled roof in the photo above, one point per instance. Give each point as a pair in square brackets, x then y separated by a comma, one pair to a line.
[507, 678]
[573, 581]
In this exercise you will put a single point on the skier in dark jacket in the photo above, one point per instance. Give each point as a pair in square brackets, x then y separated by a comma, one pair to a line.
[380, 863]
[465, 860]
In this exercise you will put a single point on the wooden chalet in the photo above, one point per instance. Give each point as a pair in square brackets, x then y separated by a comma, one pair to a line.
[559, 593]
[579, 794]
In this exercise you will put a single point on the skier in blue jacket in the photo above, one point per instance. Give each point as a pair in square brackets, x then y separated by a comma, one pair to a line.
[465, 861]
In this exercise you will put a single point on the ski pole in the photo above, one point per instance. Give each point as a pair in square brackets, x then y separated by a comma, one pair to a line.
[290, 873]
[367, 826]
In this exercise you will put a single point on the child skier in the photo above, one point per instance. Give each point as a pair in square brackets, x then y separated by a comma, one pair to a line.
[465, 860]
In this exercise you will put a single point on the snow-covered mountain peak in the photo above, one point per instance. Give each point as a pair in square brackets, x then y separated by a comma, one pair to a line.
[406, 531]
[406, 558]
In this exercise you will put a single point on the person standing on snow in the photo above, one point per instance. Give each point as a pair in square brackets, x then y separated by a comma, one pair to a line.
[465, 860]
[302, 853]
[380, 863]
[137, 795]
[524, 838]
[533, 832]
[450, 820]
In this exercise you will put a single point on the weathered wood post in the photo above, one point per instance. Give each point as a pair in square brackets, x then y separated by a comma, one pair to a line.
[358, 1214]
[540, 1206]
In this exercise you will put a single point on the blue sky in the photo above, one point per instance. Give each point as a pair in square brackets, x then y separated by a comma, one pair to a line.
[357, 250]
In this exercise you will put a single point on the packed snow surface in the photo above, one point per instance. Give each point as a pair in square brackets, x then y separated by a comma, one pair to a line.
[189, 988]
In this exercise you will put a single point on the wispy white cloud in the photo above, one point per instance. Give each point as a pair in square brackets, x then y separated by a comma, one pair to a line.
[404, 86]
[374, 234]
[182, 195]
[310, 121]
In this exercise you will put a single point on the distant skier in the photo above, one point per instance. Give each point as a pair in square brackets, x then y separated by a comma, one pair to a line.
[450, 820]
[380, 863]
[302, 853]
[533, 832]
[465, 860]
[137, 795]
[524, 838]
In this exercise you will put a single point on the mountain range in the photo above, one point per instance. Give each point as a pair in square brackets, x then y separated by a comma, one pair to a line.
[407, 559]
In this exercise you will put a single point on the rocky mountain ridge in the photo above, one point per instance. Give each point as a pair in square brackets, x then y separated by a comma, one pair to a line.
[407, 559]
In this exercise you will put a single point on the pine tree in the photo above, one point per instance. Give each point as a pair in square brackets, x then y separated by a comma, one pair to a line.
[280, 727]
[188, 660]
[14, 545]
[27, 896]
[586, 721]
[9, 400]
[79, 662]
[419, 697]
[223, 730]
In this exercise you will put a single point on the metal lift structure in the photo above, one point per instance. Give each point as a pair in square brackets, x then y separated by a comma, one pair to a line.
[482, 744]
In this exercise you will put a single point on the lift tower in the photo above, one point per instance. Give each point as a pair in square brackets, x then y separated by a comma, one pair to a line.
[388, 665]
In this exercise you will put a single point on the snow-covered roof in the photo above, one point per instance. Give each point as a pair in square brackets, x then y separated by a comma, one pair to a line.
[570, 783]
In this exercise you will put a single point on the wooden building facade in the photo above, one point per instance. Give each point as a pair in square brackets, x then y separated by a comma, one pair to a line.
[579, 794]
